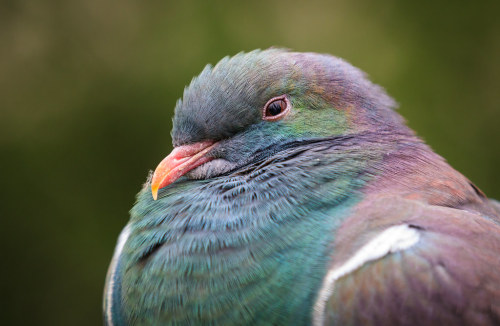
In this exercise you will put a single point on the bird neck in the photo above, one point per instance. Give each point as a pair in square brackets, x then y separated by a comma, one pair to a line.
[258, 232]
[410, 169]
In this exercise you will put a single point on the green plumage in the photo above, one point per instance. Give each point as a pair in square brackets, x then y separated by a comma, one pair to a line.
[233, 248]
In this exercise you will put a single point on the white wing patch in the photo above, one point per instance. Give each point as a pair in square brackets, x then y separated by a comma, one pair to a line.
[393, 239]
[110, 278]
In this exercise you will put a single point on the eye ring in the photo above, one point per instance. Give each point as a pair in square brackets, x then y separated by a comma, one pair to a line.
[276, 108]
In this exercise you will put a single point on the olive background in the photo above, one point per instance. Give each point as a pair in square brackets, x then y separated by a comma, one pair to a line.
[87, 91]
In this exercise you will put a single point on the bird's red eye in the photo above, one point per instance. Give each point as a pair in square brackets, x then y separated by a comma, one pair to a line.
[276, 108]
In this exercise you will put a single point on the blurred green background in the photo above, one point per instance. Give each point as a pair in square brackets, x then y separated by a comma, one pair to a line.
[87, 90]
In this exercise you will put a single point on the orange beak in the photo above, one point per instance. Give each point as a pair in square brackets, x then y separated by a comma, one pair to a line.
[179, 162]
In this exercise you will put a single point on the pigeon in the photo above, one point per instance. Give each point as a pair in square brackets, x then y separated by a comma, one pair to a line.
[296, 195]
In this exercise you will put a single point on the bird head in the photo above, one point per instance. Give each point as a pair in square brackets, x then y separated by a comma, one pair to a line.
[252, 105]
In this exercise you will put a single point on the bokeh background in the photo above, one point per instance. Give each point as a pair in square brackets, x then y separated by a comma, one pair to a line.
[87, 91]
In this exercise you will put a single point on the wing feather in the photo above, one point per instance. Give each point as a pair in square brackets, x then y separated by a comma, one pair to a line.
[450, 277]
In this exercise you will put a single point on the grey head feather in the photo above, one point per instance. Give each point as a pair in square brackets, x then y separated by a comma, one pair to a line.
[228, 97]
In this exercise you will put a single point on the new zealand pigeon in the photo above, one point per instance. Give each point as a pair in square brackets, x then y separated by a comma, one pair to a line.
[296, 195]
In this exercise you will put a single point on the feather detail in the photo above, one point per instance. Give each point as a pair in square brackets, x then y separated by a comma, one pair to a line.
[391, 240]
[112, 297]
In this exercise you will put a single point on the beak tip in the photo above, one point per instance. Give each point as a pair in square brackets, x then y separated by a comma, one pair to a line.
[154, 192]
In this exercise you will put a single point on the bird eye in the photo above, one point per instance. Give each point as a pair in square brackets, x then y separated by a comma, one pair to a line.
[276, 108]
